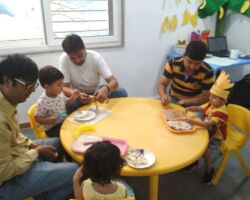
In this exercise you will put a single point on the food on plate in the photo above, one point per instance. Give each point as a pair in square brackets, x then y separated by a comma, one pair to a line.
[82, 114]
[137, 158]
[172, 114]
[179, 125]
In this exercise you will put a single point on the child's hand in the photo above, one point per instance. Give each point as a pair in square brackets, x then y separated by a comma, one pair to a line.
[33, 146]
[84, 98]
[76, 93]
[189, 120]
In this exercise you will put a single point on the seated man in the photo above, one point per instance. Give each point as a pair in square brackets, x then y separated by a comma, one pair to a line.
[27, 168]
[190, 77]
[82, 69]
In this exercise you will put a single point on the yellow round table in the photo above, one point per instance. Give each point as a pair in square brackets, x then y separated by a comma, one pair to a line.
[139, 121]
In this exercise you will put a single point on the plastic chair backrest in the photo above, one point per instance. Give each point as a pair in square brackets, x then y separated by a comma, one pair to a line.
[238, 124]
[128, 198]
[37, 128]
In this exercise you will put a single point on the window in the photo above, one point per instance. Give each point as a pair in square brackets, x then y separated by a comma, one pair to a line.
[20, 23]
[40, 25]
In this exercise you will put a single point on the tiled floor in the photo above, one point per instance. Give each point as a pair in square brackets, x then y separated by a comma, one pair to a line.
[181, 186]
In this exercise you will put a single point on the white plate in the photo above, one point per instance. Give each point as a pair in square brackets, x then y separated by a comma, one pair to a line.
[81, 116]
[83, 142]
[140, 158]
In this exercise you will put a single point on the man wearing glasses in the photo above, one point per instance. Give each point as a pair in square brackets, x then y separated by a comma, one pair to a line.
[27, 168]
[29, 86]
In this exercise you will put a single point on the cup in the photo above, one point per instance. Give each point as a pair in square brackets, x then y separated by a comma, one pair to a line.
[234, 54]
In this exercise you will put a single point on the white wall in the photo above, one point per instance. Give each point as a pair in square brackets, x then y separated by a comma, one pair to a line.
[139, 63]
[238, 34]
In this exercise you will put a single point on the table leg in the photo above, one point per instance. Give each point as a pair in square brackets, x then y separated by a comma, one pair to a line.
[153, 187]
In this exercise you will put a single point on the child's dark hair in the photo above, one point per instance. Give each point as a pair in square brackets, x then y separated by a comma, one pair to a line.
[49, 74]
[196, 50]
[72, 43]
[102, 162]
[18, 66]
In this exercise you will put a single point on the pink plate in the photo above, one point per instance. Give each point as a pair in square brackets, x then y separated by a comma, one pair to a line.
[81, 144]
[120, 143]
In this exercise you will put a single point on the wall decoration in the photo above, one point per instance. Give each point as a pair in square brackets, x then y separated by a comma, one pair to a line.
[186, 17]
[170, 22]
[210, 7]
[174, 23]
[165, 24]
[193, 19]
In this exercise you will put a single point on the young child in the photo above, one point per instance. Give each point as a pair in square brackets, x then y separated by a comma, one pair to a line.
[102, 164]
[51, 107]
[214, 119]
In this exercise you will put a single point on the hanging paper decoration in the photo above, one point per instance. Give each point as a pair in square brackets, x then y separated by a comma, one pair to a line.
[194, 19]
[174, 23]
[186, 17]
[165, 24]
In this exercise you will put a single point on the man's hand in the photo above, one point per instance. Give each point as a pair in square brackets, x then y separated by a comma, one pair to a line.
[101, 94]
[33, 146]
[46, 152]
[187, 109]
[165, 100]
[181, 103]
[84, 98]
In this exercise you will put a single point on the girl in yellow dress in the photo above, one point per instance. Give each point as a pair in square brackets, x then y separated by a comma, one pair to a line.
[102, 164]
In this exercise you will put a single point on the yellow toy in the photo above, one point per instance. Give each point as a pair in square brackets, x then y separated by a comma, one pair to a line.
[83, 129]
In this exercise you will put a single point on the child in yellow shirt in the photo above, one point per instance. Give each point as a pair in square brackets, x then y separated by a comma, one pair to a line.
[101, 166]
[214, 119]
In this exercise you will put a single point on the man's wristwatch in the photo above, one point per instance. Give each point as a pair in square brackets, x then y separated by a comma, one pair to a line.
[106, 87]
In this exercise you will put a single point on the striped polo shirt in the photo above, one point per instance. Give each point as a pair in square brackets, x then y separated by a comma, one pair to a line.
[183, 86]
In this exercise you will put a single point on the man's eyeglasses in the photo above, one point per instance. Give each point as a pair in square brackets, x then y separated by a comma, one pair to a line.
[29, 86]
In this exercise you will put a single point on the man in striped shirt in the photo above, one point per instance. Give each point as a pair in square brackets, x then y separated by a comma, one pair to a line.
[190, 78]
